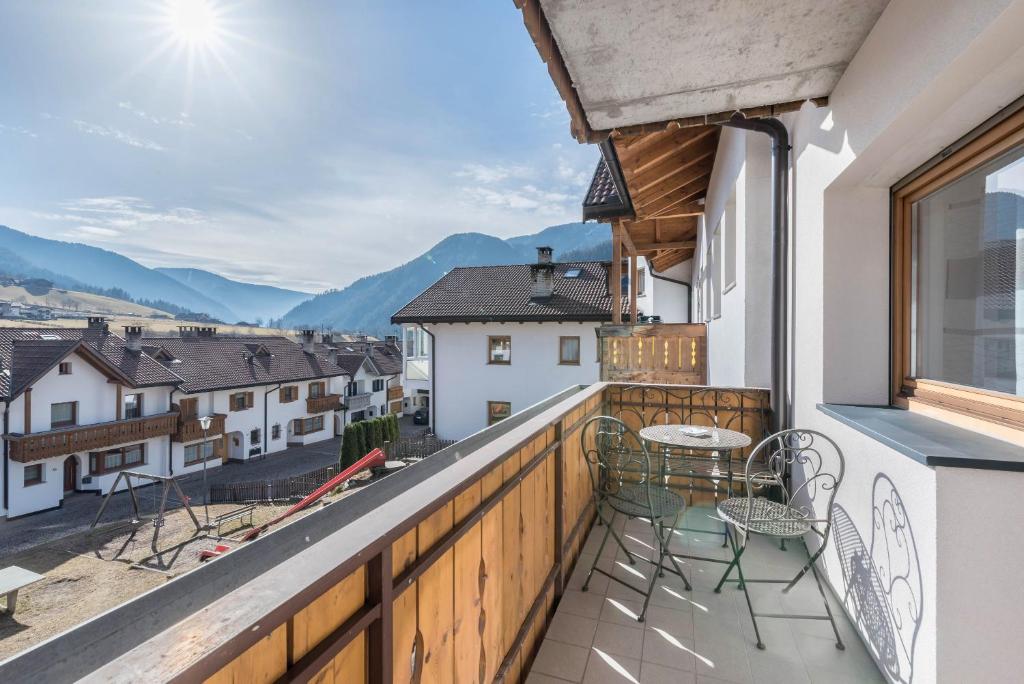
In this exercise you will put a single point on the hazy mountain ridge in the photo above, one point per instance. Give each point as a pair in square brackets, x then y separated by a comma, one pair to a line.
[247, 300]
[367, 304]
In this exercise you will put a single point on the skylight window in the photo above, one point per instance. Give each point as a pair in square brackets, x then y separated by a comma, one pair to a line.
[49, 337]
[572, 273]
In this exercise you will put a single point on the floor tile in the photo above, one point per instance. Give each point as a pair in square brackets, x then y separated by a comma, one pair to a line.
[561, 660]
[538, 678]
[585, 604]
[619, 639]
[605, 668]
[572, 629]
[663, 648]
[621, 611]
[678, 623]
[659, 674]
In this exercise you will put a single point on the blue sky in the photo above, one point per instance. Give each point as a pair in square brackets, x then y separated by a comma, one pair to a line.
[296, 143]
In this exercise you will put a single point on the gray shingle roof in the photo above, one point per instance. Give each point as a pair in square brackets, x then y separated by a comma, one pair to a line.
[351, 362]
[503, 293]
[607, 196]
[27, 352]
[225, 362]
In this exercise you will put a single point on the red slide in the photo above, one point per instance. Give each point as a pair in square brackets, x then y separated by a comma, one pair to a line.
[374, 458]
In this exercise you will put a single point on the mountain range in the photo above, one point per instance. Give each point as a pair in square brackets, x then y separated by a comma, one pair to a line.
[364, 306]
[367, 304]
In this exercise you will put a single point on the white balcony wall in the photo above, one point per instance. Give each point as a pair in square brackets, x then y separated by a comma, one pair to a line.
[465, 382]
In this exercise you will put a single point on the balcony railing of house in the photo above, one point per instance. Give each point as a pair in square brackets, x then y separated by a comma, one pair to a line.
[189, 429]
[448, 570]
[674, 353]
[69, 440]
[328, 402]
[358, 402]
[395, 393]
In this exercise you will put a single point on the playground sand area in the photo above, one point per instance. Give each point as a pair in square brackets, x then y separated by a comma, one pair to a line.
[91, 572]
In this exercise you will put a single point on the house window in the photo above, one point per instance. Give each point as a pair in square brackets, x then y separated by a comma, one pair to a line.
[64, 368]
[254, 437]
[498, 410]
[241, 401]
[132, 406]
[569, 351]
[378, 385]
[641, 283]
[316, 390]
[189, 408]
[352, 389]
[33, 474]
[117, 459]
[958, 232]
[196, 453]
[289, 394]
[306, 426]
[275, 431]
[499, 349]
[63, 414]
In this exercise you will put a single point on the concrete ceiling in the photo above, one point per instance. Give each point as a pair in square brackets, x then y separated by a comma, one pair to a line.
[645, 61]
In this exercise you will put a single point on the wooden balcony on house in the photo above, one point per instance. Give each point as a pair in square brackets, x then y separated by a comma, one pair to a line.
[79, 438]
[395, 393]
[189, 429]
[669, 353]
[448, 570]
[328, 402]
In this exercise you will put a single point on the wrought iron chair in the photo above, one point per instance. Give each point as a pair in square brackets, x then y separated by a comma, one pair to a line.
[814, 461]
[620, 472]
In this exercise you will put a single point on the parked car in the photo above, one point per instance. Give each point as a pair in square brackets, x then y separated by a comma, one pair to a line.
[421, 416]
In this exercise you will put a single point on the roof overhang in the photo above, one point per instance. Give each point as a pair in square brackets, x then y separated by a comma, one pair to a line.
[635, 68]
[87, 354]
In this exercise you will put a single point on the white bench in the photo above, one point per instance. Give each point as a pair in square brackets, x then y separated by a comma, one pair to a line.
[13, 579]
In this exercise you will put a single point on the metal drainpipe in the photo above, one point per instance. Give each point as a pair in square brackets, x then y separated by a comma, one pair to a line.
[689, 291]
[433, 393]
[775, 130]
[7, 471]
[265, 395]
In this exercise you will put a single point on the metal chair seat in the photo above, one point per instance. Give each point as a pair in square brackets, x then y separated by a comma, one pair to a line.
[765, 517]
[631, 500]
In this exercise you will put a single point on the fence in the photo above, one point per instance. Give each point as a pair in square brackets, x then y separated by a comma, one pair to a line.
[415, 447]
[272, 490]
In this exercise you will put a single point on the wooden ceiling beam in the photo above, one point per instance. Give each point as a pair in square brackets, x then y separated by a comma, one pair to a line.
[683, 210]
[684, 186]
[641, 145]
[675, 163]
[652, 154]
[678, 244]
[627, 239]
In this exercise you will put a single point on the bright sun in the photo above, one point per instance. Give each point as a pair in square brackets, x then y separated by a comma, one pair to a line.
[194, 23]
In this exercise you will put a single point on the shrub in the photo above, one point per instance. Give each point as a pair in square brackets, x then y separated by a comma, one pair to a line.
[360, 432]
[349, 453]
[378, 433]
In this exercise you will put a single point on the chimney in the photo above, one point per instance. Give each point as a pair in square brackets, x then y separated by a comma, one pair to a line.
[307, 337]
[332, 354]
[133, 336]
[186, 331]
[542, 274]
[391, 339]
[98, 323]
[206, 332]
[327, 338]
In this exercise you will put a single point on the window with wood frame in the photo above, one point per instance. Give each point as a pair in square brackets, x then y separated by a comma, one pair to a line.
[306, 426]
[240, 401]
[317, 390]
[132, 406]
[498, 411]
[33, 474]
[499, 350]
[112, 460]
[958, 279]
[63, 414]
[64, 368]
[569, 351]
[289, 394]
[189, 408]
[204, 451]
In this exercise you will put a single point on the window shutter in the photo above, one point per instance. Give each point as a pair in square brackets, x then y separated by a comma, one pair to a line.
[249, 399]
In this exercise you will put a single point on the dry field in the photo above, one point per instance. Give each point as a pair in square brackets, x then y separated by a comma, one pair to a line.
[158, 326]
[89, 573]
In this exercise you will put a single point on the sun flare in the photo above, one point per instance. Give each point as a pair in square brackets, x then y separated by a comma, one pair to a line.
[194, 23]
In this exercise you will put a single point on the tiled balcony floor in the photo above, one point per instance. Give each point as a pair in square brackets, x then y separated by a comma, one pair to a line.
[695, 636]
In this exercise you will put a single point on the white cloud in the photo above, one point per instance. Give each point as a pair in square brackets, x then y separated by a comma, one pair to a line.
[483, 173]
[182, 120]
[118, 135]
[17, 130]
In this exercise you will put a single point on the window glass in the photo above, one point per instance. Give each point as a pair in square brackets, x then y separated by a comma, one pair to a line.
[62, 414]
[275, 431]
[315, 390]
[641, 281]
[65, 368]
[112, 459]
[133, 455]
[499, 349]
[254, 437]
[33, 474]
[569, 350]
[238, 401]
[968, 279]
[133, 406]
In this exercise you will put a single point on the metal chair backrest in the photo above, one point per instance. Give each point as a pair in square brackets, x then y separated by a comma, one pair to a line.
[806, 467]
[616, 457]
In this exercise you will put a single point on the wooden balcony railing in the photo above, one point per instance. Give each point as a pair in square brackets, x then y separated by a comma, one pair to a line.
[395, 393]
[448, 570]
[328, 402]
[190, 430]
[670, 353]
[70, 440]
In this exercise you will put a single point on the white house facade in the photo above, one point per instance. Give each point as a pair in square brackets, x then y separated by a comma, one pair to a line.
[415, 368]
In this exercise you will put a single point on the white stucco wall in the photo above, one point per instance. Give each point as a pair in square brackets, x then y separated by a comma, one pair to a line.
[667, 299]
[928, 73]
[464, 382]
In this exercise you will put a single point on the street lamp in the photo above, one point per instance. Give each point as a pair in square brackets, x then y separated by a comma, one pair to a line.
[204, 423]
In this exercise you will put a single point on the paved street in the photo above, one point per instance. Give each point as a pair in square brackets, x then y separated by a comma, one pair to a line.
[80, 508]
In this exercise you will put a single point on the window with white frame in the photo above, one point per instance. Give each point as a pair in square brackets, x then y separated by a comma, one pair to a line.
[729, 244]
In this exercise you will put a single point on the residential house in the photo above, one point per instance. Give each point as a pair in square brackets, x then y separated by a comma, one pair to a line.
[263, 393]
[79, 406]
[505, 337]
[415, 368]
[374, 387]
